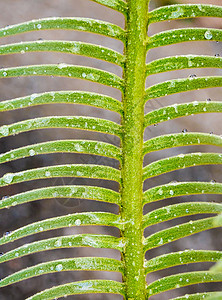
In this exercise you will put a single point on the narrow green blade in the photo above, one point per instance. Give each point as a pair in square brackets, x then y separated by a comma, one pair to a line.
[181, 189]
[184, 11]
[182, 257]
[71, 264]
[84, 171]
[81, 24]
[181, 110]
[81, 287]
[68, 97]
[65, 70]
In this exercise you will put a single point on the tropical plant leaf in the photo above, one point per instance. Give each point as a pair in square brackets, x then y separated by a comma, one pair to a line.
[131, 172]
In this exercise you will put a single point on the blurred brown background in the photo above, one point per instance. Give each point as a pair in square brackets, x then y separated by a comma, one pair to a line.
[12, 12]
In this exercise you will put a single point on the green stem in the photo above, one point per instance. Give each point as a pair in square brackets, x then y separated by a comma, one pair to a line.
[132, 183]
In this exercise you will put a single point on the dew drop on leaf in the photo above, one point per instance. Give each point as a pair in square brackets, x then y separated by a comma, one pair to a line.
[8, 177]
[59, 267]
[208, 35]
[31, 152]
[4, 130]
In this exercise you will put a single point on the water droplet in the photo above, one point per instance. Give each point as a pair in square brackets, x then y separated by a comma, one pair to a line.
[4, 130]
[7, 233]
[160, 191]
[58, 243]
[208, 35]
[59, 267]
[47, 173]
[78, 222]
[8, 177]
[31, 152]
[62, 65]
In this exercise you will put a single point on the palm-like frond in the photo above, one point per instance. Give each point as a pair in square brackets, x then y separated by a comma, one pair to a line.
[131, 199]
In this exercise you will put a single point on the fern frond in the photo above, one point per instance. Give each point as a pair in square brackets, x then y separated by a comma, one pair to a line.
[131, 173]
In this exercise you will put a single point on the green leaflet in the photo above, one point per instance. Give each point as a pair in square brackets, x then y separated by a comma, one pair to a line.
[180, 210]
[69, 97]
[182, 257]
[65, 70]
[183, 11]
[64, 146]
[84, 171]
[216, 296]
[78, 48]
[170, 37]
[68, 191]
[181, 110]
[176, 189]
[181, 139]
[217, 267]
[182, 62]
[81, 24]
[68, 122]
[71, 241]
[177, 232]
[118, 5]
[71, 220]
[198, 296]
[182, 85]
[81, 287]
[72, 264]
[218, 220]
[180, 280]
[180, 161]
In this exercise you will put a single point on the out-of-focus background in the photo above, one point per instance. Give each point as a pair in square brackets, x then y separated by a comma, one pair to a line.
[12, 12]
